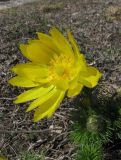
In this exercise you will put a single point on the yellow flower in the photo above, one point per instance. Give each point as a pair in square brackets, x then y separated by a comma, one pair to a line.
[56, 69]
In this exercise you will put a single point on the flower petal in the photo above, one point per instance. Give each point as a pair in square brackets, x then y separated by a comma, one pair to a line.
[74, 45]
[90, 77]
[61, 42]
[56, 34]
[34, 72]
[53, 109]
[79, 58]
[48, 41]
[61, 84]
[23, 48]
[41, 100]
[22, 82]
[73, 82]
[49, 107]
[75, 91]
[37, 52]
[33, 94]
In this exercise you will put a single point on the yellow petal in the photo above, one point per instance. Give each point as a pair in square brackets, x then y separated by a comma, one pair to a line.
[61, 84]
[90, 78]
[47, 109]
[56, 34]
[73, 82]
[41, 100]
[34, 72]
[22, 82]
[79, 58]
[36, 52]
[30, 41]
[32, 94]
[48, 41]
[23, 48]
[61, 42]
[44, 37]
[55, 106]
[75, 91]
[74, 45]
[82, 62]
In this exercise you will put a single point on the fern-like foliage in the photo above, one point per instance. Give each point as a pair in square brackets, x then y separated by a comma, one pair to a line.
[32, 156]
[87, 144]
[96, 122]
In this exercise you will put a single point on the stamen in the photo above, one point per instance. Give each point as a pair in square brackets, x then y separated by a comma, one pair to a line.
[61, 67]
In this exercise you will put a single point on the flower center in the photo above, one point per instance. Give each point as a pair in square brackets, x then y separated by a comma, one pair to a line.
[61, 67]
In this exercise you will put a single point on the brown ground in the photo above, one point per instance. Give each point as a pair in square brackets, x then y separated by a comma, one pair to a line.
[96, 25]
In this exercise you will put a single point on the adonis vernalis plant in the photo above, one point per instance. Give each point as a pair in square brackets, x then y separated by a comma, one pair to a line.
[56, 68]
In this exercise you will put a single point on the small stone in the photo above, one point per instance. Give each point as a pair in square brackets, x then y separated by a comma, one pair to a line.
[113, 13]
